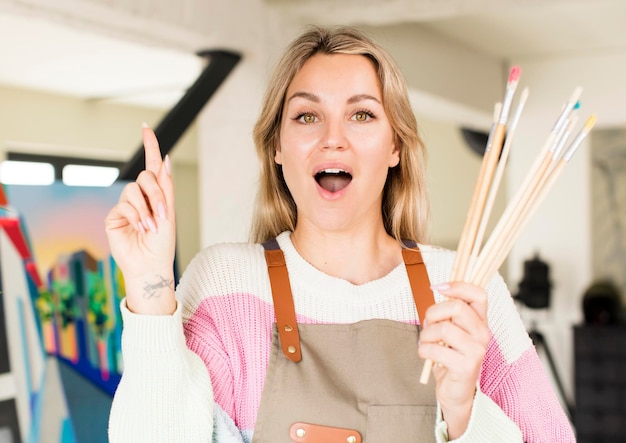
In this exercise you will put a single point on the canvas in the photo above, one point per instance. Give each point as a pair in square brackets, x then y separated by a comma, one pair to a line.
[60, 334]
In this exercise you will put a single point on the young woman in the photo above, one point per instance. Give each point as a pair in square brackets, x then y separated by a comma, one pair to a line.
[318, 329]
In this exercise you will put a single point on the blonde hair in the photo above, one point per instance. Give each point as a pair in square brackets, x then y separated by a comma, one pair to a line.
[405, 206]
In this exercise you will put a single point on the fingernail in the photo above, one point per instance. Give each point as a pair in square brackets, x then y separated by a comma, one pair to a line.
[440, 287]
[151, 225]
[168, 165]
[144, 125]
[161, 209]
[140, 228]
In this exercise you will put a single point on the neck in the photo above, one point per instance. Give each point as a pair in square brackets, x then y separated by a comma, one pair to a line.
[358, 257]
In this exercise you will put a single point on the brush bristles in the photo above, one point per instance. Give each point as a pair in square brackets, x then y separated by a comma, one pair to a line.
[591, 121]
[514, 74]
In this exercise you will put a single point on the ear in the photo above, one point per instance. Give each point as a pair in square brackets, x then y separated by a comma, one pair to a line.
[394, 158]
[278, 158]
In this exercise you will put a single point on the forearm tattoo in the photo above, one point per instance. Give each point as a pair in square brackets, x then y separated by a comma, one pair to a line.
[152, 290]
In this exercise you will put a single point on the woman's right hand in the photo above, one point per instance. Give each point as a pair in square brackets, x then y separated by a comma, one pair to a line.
[141, 230]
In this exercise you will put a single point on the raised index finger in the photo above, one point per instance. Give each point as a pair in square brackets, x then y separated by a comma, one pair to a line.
[151, 149]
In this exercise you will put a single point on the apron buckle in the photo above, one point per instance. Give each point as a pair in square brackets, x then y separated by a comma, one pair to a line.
[310, 433]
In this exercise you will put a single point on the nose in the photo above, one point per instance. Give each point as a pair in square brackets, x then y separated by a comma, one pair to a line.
[334, 136]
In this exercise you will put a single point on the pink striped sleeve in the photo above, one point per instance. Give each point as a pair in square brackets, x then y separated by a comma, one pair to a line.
[523, 391]
[237, 362]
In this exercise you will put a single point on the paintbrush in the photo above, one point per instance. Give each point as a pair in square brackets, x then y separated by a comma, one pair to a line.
[531, 182]
[512, 127]
[486, 268]
[481, 191]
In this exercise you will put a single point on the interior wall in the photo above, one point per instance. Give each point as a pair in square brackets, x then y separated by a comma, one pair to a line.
[433, 63]
[608, 225]
[43, 123]
[452, 172]
[228, 164]
[560, 230]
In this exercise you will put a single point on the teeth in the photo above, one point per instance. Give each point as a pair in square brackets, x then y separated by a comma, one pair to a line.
[333, 171]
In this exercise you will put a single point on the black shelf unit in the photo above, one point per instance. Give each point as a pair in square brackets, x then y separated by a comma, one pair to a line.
[600, 383]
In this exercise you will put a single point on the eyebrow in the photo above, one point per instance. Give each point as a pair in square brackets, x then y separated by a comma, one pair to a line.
[314, 98]
[361, 97]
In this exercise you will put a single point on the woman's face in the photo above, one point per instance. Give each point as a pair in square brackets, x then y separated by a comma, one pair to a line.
[336, 143]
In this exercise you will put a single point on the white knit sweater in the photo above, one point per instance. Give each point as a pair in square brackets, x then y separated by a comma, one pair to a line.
[197, 376]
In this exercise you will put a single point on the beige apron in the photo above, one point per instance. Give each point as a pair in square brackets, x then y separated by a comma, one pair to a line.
[345, 383]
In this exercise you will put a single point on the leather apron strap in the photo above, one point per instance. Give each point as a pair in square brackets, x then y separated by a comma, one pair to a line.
[283, 300]
[418, 278]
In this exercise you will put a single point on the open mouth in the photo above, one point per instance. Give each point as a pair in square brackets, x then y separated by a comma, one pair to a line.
[333, 180]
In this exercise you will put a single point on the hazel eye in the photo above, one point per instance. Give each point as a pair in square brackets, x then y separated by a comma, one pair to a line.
[306, 118]
[361, 116]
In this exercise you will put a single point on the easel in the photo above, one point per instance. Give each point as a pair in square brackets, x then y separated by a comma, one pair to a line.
[534, 292]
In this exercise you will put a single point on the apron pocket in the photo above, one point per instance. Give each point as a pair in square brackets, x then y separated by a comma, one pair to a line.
[400, 423]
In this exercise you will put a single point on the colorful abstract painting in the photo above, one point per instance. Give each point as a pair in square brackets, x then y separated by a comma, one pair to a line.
[60, 332]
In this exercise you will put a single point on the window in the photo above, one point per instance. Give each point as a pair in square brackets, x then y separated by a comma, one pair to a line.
[35, 169]
[14, 172]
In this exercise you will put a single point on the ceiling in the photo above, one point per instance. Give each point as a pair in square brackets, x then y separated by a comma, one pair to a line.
[557, 29]
[49, 55]
[53, 57]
